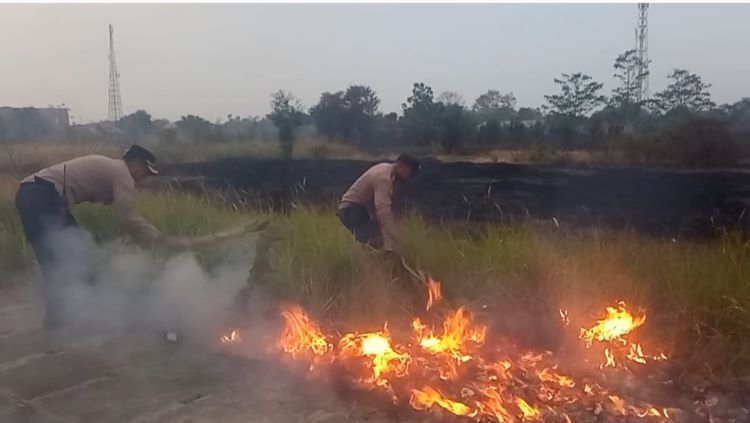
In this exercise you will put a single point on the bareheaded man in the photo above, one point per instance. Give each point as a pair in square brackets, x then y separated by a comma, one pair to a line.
[44, 201]
[365, 209]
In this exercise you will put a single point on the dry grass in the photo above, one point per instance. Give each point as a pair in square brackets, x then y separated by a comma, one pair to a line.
[20, 159]
[697, 295]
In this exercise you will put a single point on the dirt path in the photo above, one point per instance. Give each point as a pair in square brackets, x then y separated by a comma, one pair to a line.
[141, 379]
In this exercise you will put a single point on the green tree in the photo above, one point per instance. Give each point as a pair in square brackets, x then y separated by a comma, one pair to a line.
[136, 124]
[685, 91]
[528, 113]
[329, 114]
[286, 114]
[579, 96]
[194, 127]
[361, 106]
[629, 73]
[421, 115]
[455, 125]
[495, 106]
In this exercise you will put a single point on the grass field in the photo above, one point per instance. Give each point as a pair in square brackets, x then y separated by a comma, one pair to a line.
[20, 158]
[696, 294]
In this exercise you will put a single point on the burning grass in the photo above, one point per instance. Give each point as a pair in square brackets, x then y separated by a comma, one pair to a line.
[457, 368]
[697, 294]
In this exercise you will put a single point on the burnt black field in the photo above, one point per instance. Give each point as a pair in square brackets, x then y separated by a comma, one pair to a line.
[658, 201]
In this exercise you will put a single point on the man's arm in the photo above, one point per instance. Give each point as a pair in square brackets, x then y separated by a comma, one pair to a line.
[384, 213]
[138, 227]
[147, 234]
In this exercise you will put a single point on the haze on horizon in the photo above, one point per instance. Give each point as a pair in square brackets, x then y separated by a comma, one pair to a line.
[213, 60]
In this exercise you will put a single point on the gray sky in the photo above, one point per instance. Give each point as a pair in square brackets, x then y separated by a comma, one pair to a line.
[213, 60]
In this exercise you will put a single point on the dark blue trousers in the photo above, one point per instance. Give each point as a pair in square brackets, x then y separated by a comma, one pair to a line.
[43, 212]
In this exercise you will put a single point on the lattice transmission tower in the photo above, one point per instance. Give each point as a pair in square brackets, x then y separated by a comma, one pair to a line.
[641, 46]
[115, 100]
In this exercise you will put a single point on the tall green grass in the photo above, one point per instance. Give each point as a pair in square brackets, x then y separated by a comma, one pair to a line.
[697, 295]
[172, 212]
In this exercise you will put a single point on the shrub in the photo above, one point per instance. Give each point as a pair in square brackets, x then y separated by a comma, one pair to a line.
[698, 142]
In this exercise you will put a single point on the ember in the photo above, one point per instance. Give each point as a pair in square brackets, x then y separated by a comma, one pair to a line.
[301, 337]
[612, 330]
[453, 369]
[232, 337]
[433, 293]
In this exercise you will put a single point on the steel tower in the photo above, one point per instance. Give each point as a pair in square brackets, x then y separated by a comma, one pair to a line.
[641, 46]
[115, 101]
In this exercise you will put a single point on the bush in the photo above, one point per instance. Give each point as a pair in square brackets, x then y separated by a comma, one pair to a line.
[698, 142]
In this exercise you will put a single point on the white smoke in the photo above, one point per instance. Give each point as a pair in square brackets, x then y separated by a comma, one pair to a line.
[117, 286]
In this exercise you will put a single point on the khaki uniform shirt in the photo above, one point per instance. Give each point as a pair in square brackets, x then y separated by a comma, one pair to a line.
[374, 190]
[100, 179]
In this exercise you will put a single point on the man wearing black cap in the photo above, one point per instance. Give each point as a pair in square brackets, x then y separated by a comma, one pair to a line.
[365, 208]
[44, 201]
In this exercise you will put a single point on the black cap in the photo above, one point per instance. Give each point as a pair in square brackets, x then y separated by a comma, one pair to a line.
[410, 161]
[136, 152]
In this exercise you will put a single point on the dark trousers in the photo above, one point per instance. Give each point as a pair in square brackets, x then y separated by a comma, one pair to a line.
[43, 213]
[358, 221]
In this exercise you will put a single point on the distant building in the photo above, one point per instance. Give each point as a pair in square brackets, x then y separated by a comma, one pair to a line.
[31, 123]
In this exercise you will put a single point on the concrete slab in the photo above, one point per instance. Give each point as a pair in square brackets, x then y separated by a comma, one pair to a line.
[51, 373]
[23, 346]
[164, 379]
[21, 317]
[18, 411]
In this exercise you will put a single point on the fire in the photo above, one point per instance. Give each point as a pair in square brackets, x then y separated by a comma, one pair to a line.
[612, 330]
[609, 359]
[457, 332]
[618, 323]
[453, 369]
[232, 337]
[384, 360]
[549, 375]
[427, 397]
[494, 405]
[636, 354]
[452, 346]
[564, 317]
[529, 412]
[301, 336]
[433, 293]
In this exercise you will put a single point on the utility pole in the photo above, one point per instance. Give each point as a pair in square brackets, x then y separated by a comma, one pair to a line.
[115, 101]
[641, 46]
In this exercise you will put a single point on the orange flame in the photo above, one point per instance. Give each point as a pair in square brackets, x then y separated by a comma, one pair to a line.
[618, 323]
[383, 358]
[232, 337]
[427, 397]
[636, 354]
[458, 376]
[458, 335]
[494, 405]
[564, 317]
[612, 329]
[549, 375]
[433, 293]
[301, 336]
[529, 412]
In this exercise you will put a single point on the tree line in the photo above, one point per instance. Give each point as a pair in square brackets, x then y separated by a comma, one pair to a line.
[579, 114]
